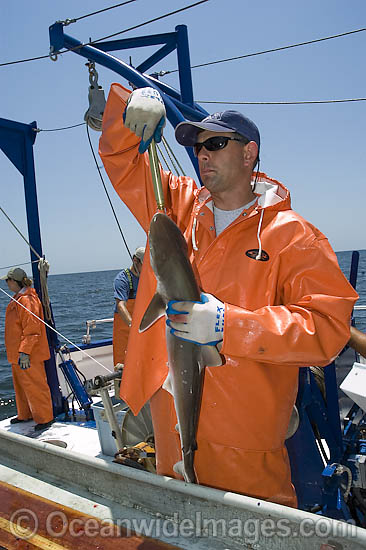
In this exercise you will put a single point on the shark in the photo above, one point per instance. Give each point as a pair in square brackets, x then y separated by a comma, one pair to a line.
[186, 360]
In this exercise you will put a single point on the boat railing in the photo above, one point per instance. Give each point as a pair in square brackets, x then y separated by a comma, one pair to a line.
[92, 324]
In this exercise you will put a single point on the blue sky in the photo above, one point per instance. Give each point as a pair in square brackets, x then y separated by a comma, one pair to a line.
[317, 151]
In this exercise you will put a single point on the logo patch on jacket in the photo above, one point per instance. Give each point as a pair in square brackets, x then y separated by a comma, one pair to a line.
[253, 253]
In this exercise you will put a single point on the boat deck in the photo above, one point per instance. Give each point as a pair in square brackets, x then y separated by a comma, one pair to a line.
[76, 437]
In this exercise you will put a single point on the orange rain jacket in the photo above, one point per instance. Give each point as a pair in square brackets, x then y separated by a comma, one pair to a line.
[290, 311]
[121, 333]
[24, 333]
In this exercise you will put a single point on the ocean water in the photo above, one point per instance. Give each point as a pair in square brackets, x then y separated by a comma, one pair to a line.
[79, 297]
[75, 298]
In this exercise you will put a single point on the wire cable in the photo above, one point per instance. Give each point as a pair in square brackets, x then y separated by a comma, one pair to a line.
[163, 157]
[106, 191]
[100, 11]
[54, 330]
[211, 102]
[20, 233]
[163, 73]
[24, 60]
[171, 154]
[17, 264]
[57, 129]
[150, 21]
[43, 267]
[285, 102]
[105, 37]
[272, 50]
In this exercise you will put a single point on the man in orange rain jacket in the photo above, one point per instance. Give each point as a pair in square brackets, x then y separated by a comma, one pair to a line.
[27, 349]
[125, 288]
[286, 302]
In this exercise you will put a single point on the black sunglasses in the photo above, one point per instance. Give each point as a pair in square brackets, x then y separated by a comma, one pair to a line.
[215, 143]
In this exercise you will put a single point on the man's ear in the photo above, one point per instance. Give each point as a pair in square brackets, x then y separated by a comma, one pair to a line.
[250, 153]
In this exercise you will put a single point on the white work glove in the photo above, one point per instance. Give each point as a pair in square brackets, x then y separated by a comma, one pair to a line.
[24, 361]
[145, 116]
[201, 322]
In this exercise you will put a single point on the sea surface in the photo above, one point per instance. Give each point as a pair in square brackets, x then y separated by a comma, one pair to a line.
[75, 298]
[79, 297]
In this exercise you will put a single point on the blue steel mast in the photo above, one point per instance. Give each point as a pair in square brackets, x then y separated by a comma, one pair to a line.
[16, 141]
[179, 105]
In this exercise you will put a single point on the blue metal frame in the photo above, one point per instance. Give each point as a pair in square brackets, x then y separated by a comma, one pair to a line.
[16, 141]
[179, 105]
[318, 486]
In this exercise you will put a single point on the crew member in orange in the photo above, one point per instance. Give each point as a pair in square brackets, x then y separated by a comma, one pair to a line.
[269, 274]
[358, 341]
[27, 349]
[125, 288]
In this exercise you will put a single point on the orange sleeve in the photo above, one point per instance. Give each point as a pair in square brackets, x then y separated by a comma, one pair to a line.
[130, 173]
[31, 326]
[313, 323]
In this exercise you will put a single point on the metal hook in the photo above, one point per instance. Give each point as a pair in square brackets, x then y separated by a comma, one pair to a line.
[53, 55]
[94, 114]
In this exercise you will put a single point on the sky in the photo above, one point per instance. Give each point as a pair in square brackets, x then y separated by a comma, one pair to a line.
[317, 151]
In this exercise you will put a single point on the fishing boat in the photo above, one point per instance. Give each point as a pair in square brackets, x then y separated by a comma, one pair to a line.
[62, 488]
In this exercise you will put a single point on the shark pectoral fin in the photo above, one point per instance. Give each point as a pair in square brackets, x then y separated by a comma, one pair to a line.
[211, 357]
[167, 384]
[155, 310]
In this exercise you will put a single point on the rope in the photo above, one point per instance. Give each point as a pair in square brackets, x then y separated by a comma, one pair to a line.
[54, 330]
[285, 102]
[163, 73]
[106, 191]
[342, 469]
[44, 268]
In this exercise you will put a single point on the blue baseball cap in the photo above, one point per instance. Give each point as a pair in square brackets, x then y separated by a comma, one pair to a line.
[227, 121]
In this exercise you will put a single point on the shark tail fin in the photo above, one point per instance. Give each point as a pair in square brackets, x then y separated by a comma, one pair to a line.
[180, 470]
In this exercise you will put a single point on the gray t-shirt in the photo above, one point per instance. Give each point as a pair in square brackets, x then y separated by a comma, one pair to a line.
[223, 218]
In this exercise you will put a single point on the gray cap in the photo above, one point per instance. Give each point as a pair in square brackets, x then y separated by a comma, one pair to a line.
[15, 273]
[139, 253]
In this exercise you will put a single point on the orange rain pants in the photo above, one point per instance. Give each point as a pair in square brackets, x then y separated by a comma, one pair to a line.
[25, 333]
[292, 309]
[120, 335]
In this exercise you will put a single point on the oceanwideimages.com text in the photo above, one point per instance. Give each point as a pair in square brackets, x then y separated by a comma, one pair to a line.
[24, 524]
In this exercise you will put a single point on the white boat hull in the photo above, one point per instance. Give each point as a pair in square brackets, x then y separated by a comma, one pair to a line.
[180, 514]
